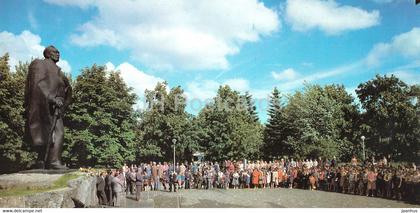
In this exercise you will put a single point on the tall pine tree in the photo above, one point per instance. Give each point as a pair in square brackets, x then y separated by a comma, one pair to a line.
[273, 132]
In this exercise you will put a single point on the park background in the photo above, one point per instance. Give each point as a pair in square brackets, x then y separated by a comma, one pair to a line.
[270, 81]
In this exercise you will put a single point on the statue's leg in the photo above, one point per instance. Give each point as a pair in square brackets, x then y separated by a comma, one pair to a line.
[40, 150]
[56, 149]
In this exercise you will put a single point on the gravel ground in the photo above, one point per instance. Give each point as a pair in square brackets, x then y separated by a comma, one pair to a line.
[259, 198]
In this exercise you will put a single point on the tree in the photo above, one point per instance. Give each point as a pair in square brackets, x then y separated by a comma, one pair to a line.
[391, 119]
[350, 124]
[15, 153]
[315, 119]
[100, 122]
[250, 106]
[165, 119]
[274, 130]
[230, 130]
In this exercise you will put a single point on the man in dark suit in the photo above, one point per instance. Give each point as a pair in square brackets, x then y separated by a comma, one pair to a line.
[47, 95]
[108, 186]
[139, 183]
[172, 181]
[100, 189]
[131, 181]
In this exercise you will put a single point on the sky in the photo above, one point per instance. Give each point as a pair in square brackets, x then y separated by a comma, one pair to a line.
[250, 45]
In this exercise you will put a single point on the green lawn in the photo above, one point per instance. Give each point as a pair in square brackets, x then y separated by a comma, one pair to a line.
[59, 183]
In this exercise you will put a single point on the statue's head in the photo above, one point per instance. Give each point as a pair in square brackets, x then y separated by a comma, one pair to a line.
[52, 53]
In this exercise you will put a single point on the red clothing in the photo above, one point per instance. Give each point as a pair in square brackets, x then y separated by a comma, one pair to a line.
[231, 168]
[371, 176]
[255, 176]
[312, 180]
[280, 175]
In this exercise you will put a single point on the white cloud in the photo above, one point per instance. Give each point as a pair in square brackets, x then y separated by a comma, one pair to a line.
[328, 16]
[78, 3]
[238, 84]
[176, 34]
[410, 77]
[286, 75]
[406, 44]
[32, 20]
[290, 85]
[109, 66]
[24, 47]
[201, 90]
[207, 89]
[383, 1]
[199, 93]
[136, 79]
[65, 66]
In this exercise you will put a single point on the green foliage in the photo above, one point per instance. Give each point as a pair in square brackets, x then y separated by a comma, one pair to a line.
[100, 122]
[14, 152]
[276, 128]
[102, 129]
[229, 129]
[312, 124]
[165, 119]
[391, 119]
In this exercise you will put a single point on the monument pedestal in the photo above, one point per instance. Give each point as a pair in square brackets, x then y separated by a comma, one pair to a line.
[38, 189]
[47, 171]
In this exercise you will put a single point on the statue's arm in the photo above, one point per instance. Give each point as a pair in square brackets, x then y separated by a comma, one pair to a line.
[69, 92]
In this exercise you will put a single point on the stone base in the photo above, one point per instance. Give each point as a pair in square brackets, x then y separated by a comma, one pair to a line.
[47, 171]
[27, 180]
[80, 192]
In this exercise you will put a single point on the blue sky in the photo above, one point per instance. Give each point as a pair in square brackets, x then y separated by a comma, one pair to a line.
[248, 44]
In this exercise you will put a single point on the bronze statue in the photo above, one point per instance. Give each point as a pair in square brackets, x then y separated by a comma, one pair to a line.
[47, 95]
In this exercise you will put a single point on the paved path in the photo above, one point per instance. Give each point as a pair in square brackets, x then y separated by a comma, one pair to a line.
[246, 198]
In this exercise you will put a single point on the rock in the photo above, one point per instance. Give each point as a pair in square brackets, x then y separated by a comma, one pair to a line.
[85, 191]
[30, 181]
[81, 192]
[60, 198]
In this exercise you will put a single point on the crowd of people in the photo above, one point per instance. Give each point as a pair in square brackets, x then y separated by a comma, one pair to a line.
[369, 178]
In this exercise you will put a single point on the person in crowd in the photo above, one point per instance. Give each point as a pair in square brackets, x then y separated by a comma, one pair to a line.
[188, 179]
[181, 176]
[148, 180]
[226, 178]
[173, 181]
[388, 184]
[312, 182]
[351, 178]
[160, 175]
[397, 183]
[100, 189]
[354, 161]
[155, 177]
[255, 178]
[108, 186]
[379, 180]
[371, 185]
[139, 183]
[131, 181]
[235, 179]
[117, 188]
